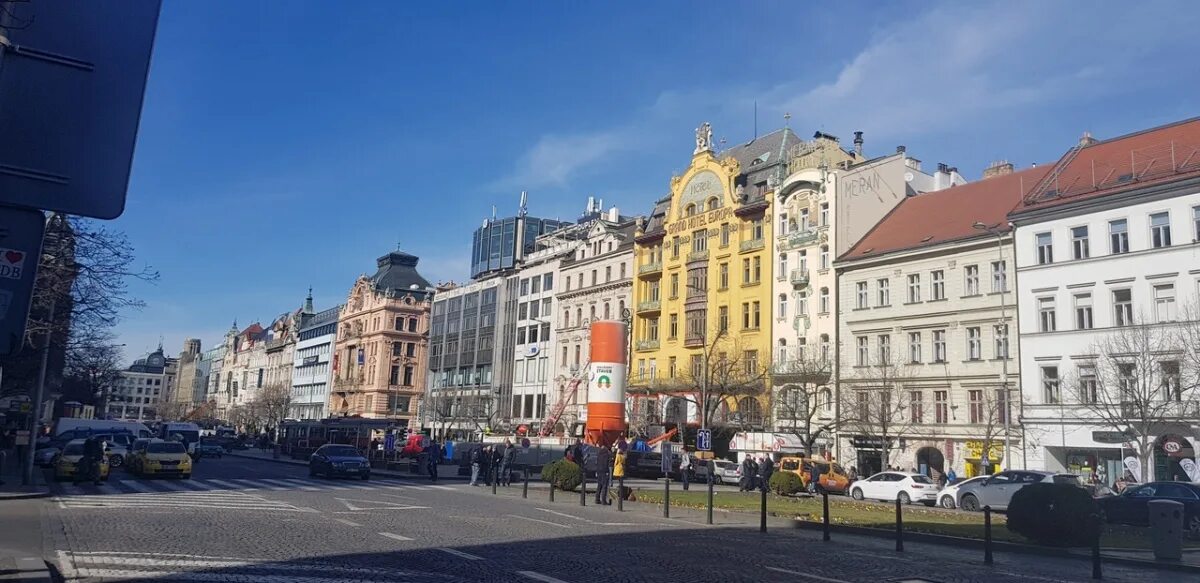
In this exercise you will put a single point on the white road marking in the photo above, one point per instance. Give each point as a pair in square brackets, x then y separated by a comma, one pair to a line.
[224, 484]
[136, 485]
[280, 483]
[448, 488]
[252, 485]
[806, 575]
[303, 485]
[174, 486]
[1024, 576]
[394, 536]
[84, 565]
[194, 485]
[564, 515]
[538, 520]
[459, 554]
[347, 522]
[66, 566]
[539, 577]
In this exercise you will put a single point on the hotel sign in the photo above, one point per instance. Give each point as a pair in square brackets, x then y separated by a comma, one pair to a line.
[701, 220]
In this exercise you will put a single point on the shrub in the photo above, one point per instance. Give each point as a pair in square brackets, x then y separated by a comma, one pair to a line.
[1060, 515]
[564, 474]
[785, 483]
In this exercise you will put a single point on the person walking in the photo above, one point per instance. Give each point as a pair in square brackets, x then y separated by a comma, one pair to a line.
[435, 457]
[476, 462]
[485, 465]
[685, 468]
[603, 459]
[497, 457]
[951, 477]
[619, 468]
[747, 477]
[506, 463]
[764, 472]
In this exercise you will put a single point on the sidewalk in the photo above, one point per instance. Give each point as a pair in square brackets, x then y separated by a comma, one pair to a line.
[20, 539]
[11, 473]
[445, 471]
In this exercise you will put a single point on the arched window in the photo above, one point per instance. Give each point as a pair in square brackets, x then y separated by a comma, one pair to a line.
[823, 306]
[607, 314]
[578, 316]
[783, 350]
[566, 318]
[783, 266]
[783, 306]
[825, 347]
[714, 203]
[592, 312]
[621, 308]
[750, 411]
[689, 210]
[827, 400]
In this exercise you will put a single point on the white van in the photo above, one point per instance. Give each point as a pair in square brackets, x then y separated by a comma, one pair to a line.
[66, 424]
[189, 433]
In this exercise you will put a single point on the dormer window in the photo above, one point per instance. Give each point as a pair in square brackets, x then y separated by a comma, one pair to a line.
[689, 210]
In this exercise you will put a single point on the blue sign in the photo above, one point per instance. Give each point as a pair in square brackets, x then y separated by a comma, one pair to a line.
[704, 440]
[389, 442]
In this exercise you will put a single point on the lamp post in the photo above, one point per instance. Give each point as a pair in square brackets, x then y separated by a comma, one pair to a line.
[998, 230]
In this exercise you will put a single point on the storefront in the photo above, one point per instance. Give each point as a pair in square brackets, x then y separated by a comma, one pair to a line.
[868, 454]
[978, 464]
[1175, 459]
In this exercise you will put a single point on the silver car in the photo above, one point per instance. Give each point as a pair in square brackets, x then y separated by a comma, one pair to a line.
[996, 491]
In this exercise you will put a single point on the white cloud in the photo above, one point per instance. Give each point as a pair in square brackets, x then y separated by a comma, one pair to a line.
[553, 159]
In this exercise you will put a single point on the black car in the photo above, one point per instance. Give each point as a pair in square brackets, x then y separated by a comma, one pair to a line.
[209, 448]
[333, 460]
[1133, 505]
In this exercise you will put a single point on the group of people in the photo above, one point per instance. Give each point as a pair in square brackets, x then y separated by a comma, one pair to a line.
[493, 462]
[756, 472]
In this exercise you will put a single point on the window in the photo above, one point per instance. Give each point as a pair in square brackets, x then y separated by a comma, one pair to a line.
[1122, 307]
[757, 311]
[802, 307]
[805, 223]
[757, 269]
[723, 318]
[535, 285]
[674, 285]
[524, 287]
[607, 311]
[783, 266]
[1083, 312]
[824, 256]
[971, 285]
[999, 277]
[885, 349]
[594, 280]
[884, 292]
[534, 309]
[621, 270]
[916, 406]
[824, 217]
[1126, 381]
[751, 362]
[671, 367]
[756, 229]
[939, 346]
[939, 285]
[863, 350]
[699, 241]
[1000, 331]
[1169, 381]
[783, 223]
[783, 306]
[397, 349]
[408, 376]
[580, 280]
[1079, 242]
[652, 329]
[1164, 302]
[1050, 388]
[1118, 236]
[1045, 248]
[974, 343]
[804, 260]
[746, 315]
[861, 289]
[746, 270]
[1196, 223]
[1046, 321]
[675, 248]
[548, 282]
[941, 408]
[914, 288]
[723, 276]
[533, 334]
[1087, 385]
[914, 347]
[975, 406]
[825, 347]
[673, 327]
[607, 274]
[823, 300]
[1160, 230]
[725, 230]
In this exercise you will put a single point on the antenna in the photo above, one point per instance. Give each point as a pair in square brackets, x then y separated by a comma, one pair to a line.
[756, 119]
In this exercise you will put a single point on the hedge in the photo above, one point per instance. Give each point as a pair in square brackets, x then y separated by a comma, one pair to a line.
[563, 474]
[785, 483]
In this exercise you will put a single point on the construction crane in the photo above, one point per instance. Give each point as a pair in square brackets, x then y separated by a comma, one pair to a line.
[564, 399]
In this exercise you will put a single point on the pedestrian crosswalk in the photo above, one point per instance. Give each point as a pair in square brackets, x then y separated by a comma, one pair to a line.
[129, 566]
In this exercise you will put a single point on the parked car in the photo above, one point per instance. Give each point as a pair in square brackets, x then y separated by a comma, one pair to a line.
[333, 460]
[725, 472]
[158, 457]
[1133, 506]
[832, 478]
[207, 448]
[67, 464]
[903, 486]
[996, 491]
[948, 497]
[648, 464]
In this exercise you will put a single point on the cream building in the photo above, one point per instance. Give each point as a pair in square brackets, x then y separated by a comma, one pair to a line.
[927, 374]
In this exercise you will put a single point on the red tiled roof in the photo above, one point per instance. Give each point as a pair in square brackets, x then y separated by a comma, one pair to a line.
[252, 330]
[1157, 155]
[947, 215]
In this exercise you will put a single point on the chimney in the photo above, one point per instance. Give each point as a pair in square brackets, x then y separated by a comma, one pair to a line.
[900, 149]
[944, 169]
[614, 215]
[998, 168]
[858, 144]
[1087, 140]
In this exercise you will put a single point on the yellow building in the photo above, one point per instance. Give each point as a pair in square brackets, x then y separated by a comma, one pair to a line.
[702, 299]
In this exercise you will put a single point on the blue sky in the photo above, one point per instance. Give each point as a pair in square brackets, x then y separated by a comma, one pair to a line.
[284, 145]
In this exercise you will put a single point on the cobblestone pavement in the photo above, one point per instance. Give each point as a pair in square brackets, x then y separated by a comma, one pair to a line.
[247, 521]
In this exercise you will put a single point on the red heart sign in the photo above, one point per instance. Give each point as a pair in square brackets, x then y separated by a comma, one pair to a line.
[14, 257]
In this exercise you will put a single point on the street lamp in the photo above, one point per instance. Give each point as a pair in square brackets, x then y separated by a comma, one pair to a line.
[998, 231]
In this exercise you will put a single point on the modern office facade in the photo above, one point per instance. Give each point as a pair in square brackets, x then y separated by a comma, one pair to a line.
[501, 244]
[466, 374]
[312, 371]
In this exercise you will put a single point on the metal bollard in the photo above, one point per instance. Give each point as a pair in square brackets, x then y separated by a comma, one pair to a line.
[899, 527]
[762, 512]
[824, 515]
[582, 487]
[1096, 572]
[525, 486]
[987, 535]
[552, 491]
[621, 494]
[667, 498]
[710, 494]
[495, 478]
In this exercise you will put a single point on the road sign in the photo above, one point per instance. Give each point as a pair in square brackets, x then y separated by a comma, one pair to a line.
[704, 440]
[72, 78]
[389, 442]
[667, 451]
[21, 232]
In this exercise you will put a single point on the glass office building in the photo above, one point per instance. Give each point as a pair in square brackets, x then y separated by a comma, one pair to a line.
[495, 244]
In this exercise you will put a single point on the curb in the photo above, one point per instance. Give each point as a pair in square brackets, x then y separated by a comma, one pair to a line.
[996, 545]
[27, 570]
[388, 473]
[24, 495]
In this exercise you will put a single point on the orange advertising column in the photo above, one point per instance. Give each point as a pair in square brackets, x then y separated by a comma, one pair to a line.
[606, 383]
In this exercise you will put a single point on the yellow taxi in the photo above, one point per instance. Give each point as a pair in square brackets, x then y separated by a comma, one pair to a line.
[67, 465]
[831, 477]
[158, 457]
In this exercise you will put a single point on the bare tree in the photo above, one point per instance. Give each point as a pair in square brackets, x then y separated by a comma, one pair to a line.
[877, 404]
[986, 414]
[271, 404]
[95, 369]
[1140, 380]
[445, 410]
[803, 404]
[171, 410]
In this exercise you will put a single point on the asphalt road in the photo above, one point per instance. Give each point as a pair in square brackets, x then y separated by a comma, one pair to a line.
[251, 521]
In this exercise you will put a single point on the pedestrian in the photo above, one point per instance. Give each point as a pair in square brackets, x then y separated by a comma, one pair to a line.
[951, 477]
[506, 463]
[497, 457]
[578, 453]
[685, 468]
[853, 474]
[485, 465]
[814, 477]
[603, 460]
[435, 457]
[476, 462]
[764, 472]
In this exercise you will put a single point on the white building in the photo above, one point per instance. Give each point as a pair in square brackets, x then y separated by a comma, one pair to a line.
[312, 372]
[924, 314]
[138, 392]
[1106, 250]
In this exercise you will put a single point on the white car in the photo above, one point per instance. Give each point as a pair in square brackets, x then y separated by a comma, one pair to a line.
[948, 495]
[903, 486]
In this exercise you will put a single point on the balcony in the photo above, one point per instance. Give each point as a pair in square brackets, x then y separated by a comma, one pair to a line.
[801, 323]
[799, 278]
[649, 306]
[751, 245]
[650, 268]
[799, 239]
[647, 345]
[698, 256]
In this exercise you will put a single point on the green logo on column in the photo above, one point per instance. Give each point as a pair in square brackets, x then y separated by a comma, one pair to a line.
[604, 382]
